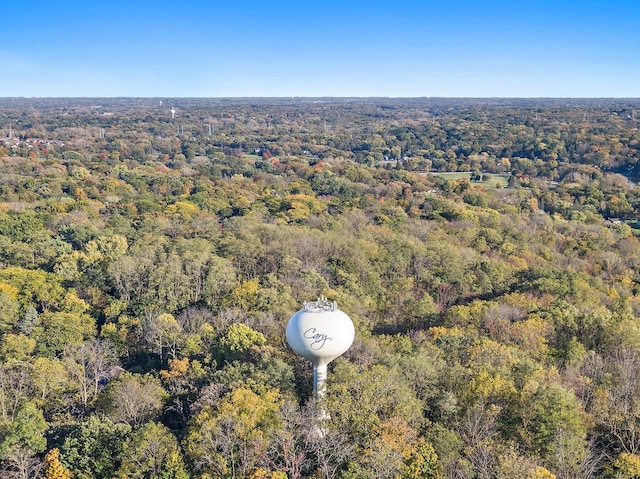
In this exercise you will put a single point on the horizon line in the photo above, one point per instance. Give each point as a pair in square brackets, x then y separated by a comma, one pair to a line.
[346, 97]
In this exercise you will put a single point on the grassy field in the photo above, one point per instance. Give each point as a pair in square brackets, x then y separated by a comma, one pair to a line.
[495, 180]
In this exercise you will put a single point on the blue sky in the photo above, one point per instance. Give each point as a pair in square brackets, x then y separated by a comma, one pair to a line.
[401, 48]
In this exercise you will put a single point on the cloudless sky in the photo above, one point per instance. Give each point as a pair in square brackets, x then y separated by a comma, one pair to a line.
[397, 48]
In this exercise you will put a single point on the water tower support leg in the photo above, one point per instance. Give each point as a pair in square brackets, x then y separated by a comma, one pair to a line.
[319, 380]
[319, 389]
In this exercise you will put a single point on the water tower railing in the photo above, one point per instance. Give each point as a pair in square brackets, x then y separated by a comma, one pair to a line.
[320, 305]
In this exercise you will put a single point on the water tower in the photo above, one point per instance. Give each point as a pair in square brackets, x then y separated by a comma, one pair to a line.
[320, 332]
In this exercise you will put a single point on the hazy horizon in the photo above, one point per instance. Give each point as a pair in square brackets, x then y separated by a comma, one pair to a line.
[351, 97]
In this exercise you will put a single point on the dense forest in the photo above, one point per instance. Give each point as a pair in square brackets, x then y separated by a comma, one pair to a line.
[153, 250]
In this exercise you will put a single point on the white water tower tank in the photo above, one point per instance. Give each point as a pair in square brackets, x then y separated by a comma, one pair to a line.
[320, 332]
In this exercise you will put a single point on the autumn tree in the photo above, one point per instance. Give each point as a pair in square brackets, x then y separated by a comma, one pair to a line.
[53, 467]
[231, 438]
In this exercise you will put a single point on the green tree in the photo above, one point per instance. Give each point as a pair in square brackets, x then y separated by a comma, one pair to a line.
[16, 347]
[60, 330]
[552, 421]
[152, 452]
[360, 399]
[163, 334]
[50, 381]
[25, 431]
[240, 337]
[9, 307]
[93, 449]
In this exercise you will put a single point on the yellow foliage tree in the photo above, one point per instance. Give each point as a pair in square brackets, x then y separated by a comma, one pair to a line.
[9, 290]
[53, 467]
[541, 473]
[184, 209]
[300, 206]
[245, 294]
[627, 466]
[262, 473]
[230, 438]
